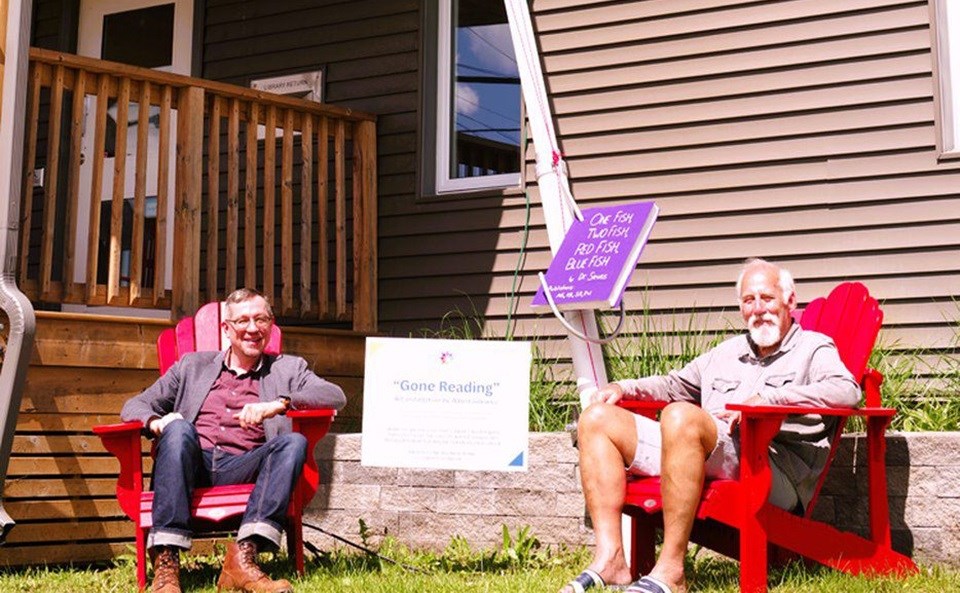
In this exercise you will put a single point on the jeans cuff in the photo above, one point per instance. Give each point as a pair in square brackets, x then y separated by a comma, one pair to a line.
[169, 538]
[262, 529]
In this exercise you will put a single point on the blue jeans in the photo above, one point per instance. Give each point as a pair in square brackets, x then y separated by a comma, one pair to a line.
[180, 466]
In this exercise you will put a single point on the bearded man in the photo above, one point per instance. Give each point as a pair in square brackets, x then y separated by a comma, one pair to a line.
[775, 362]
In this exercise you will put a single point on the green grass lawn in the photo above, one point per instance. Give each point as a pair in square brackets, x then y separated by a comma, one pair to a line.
[511, 569]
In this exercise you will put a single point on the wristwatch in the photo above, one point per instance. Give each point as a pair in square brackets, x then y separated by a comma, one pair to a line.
[286, 403]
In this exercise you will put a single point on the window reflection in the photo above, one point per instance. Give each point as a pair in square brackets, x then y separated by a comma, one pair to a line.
[486, 113]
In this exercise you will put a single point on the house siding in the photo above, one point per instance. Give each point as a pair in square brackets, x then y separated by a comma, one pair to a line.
[800, 131]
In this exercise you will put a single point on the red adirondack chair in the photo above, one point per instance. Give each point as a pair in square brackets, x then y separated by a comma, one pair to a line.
[218, 508]
[734, 516]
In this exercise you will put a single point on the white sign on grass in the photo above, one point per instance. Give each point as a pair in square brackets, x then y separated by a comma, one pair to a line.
[446, 404]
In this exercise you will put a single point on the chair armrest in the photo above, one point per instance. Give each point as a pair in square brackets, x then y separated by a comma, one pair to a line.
[123, 440]
[643, 407]
[314, 425]
[772, 411]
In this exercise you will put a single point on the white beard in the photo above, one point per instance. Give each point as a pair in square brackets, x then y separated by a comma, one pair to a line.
[763, 334]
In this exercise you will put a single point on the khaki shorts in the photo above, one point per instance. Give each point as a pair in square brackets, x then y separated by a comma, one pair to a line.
[723, 462]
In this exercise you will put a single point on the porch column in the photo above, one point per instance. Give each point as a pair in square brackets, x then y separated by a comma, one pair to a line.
[188, 187]
[365, 226]
[14, 47]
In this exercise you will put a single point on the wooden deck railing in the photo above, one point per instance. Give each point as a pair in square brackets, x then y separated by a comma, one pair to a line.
[267, 191]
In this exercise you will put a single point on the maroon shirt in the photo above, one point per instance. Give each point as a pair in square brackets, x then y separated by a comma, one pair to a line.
[215, 423]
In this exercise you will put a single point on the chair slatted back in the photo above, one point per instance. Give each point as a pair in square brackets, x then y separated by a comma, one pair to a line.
[852, 318]
[202, 333]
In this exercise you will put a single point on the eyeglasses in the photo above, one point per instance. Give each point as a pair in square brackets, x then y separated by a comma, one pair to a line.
[262, 322]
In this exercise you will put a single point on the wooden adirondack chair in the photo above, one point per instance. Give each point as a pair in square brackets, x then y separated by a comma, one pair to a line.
[734, 516]
[218, 508]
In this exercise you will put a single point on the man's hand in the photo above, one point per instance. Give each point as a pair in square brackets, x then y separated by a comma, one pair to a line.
[610, 393]
[254, 414]
[157, 425]
[732, 417]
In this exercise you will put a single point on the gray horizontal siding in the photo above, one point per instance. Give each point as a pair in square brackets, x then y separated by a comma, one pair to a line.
[801, 130]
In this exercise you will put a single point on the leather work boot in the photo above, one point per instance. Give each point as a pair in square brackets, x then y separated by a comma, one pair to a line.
[240, 571]
[166, 569]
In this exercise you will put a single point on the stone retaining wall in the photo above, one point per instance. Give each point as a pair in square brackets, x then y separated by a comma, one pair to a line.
[426, 508]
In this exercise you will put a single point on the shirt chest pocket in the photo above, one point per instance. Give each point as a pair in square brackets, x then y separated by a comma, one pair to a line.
[725, 386]
[779, 380]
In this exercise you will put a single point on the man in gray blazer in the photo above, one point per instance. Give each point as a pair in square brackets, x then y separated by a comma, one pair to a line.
[219, 418]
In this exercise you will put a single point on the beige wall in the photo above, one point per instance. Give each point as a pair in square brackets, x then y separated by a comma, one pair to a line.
[803, 131]
[800, 131]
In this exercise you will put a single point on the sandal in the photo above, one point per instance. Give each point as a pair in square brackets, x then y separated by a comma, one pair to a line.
[585, 580]
[649, 584]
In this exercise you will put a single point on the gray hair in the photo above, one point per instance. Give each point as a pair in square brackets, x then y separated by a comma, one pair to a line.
[241, 295]
[784, 277]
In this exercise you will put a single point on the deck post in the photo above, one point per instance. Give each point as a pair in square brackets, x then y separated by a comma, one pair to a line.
[365, 226]
[187, 191]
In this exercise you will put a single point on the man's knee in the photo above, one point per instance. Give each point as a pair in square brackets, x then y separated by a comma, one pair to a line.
[686, 422]
[598, 419]
[294, 445]
[179, 435]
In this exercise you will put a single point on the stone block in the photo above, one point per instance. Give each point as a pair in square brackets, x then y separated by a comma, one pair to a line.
[898, 448]
[934, 448]
[931, 511]
[552, 447]
[950, 544]
[408, 498]
[464, 501]
[925, 545]
[825, 510]
[948, 481]
[352, 472]
[520, 502]
[338, 495]
[341, 447]
[571, 504]
[914, 481]
[553, 477]
[425, 477]
[844, 455]
[346, 524]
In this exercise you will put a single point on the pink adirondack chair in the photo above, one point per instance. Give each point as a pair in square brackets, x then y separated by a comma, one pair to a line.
[218, 508]
[734, 516]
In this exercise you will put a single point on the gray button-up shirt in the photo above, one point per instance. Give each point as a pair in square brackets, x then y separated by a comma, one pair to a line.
[806, 370]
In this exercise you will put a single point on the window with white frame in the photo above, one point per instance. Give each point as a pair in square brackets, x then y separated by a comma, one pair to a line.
[472, 99]
[947, 56]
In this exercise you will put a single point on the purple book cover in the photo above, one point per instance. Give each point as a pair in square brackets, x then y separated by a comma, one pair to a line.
[593, 265]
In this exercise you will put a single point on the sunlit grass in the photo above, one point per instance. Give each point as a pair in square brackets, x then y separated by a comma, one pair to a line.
[460, 569]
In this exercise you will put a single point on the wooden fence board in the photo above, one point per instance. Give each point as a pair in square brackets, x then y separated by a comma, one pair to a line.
[33, 510]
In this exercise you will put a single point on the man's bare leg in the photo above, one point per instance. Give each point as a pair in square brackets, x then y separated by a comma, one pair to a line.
[607, 438]
[689, 436]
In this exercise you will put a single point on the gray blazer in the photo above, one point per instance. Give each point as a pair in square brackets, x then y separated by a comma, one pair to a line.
[185, 386]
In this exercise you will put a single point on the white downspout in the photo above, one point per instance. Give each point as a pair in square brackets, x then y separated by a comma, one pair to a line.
[15, 304]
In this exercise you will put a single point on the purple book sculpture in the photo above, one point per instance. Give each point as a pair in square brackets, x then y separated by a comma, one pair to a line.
[597, 256]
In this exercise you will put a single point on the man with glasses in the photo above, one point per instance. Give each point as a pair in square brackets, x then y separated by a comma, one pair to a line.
[219, 419]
